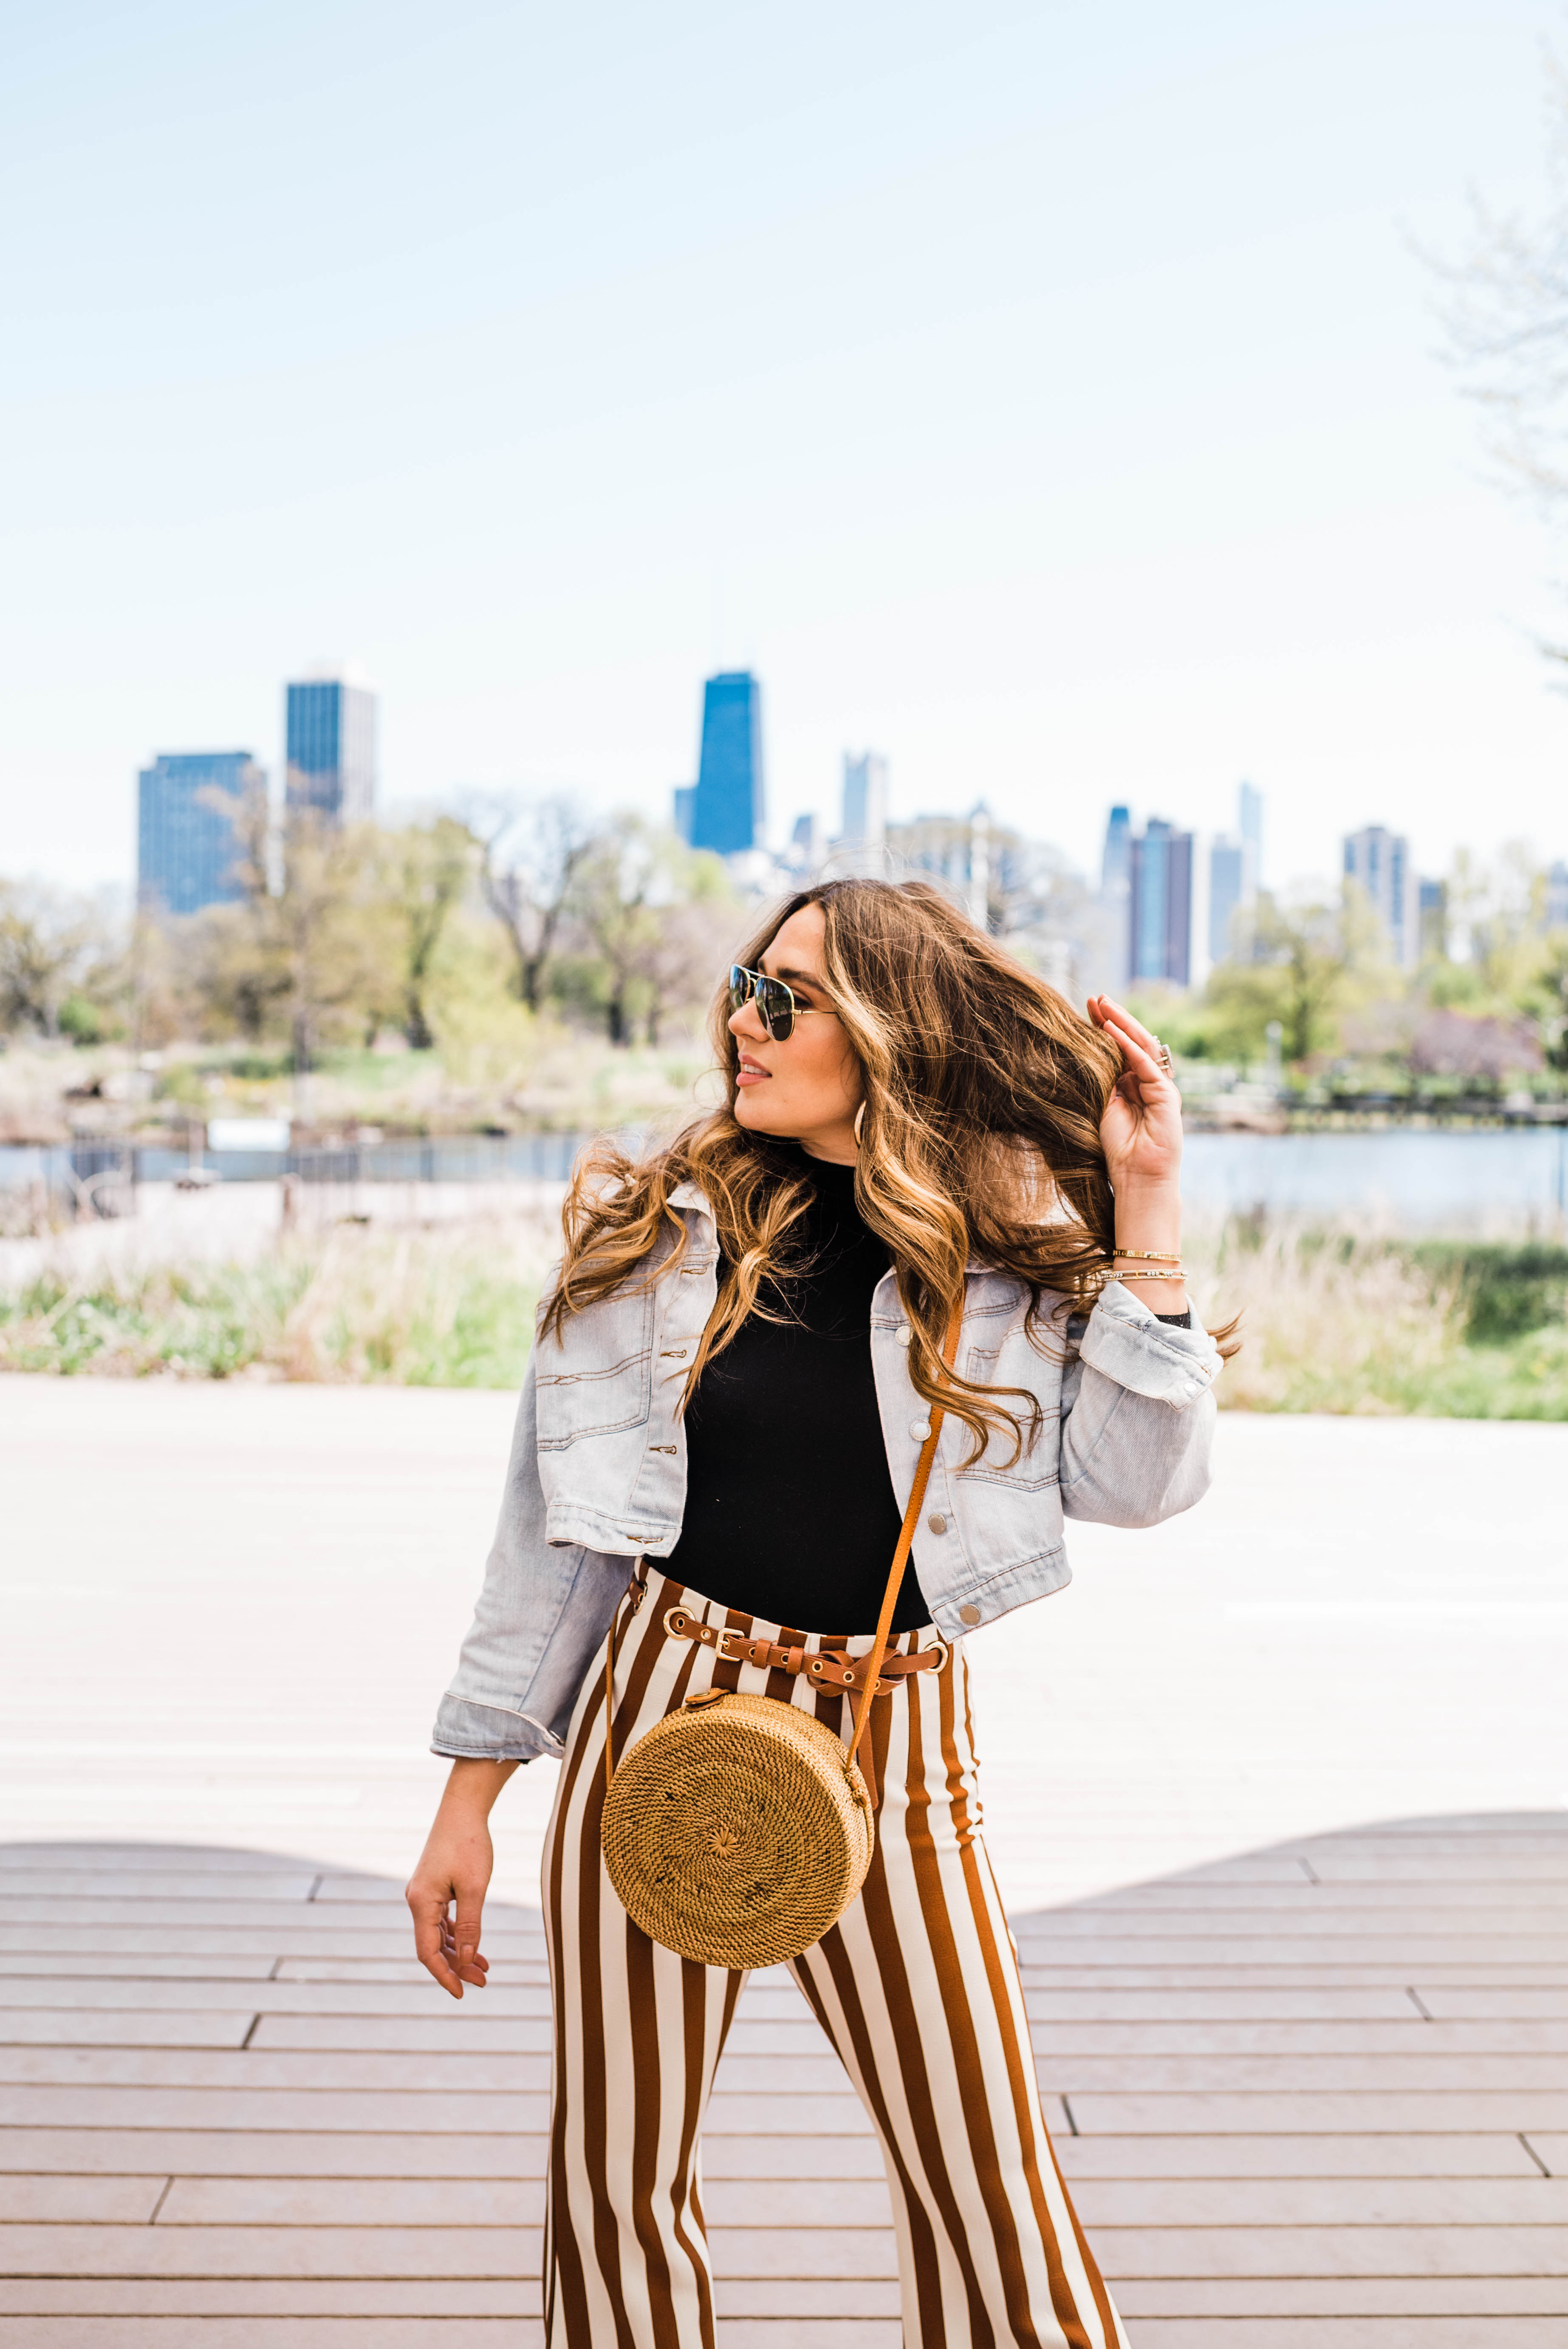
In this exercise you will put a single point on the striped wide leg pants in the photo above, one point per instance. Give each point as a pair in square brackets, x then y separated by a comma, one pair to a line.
[916, 1986]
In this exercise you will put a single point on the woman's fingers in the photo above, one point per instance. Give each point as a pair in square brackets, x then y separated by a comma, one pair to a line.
[428, 1907]
[466, 1934]
[1140, 1061]
[448, 1952]
[1117, 1016]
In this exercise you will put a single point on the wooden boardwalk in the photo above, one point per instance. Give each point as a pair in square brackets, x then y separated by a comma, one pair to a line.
[1318, 2094]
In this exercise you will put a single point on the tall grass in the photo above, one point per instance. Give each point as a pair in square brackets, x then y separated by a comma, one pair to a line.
[1330, 1321]
[431, 1308]
[1336, 1322]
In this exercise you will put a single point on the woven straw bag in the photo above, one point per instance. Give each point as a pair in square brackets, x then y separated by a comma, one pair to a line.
[739, 1829]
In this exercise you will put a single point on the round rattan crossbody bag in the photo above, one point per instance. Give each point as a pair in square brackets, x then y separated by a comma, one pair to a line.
[739, 1829]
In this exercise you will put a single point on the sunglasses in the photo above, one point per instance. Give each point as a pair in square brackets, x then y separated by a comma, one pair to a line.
[775, 1005]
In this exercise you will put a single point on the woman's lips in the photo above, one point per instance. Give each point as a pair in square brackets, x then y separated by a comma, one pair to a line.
[751, 1072]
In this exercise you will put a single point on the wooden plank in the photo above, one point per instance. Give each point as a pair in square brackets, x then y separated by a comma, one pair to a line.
[1454, 2204]
[1310, 2297]
[1366, 2076]
[299, 2153]
[1357, 2333]
[84, 1889]
[290, 2298]
[1344, 2252]
[122, 2027]
[1376, 2154]
[426, 2253]
[103, 2199]
[1447, 2002]
[151, 1965]
[1426, 2042]
[347, 2201]
[484, 2033]
[421, 1998]
[254, 2067]
[1305, 2115]
[151, 2107]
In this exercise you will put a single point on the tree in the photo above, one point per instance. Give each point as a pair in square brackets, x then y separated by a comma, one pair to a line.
[529, 863]
[425, 869]
[657, 914]
[56, 959]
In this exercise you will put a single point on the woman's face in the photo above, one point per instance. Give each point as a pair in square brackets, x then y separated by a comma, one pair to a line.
[807, 1089]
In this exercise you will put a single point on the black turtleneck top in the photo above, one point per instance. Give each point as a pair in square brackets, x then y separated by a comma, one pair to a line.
[790, 1512]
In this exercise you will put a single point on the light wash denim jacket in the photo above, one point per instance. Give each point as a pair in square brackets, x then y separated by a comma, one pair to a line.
[598, 1472]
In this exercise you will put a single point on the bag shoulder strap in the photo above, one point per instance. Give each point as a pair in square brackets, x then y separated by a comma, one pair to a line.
[906, 1536]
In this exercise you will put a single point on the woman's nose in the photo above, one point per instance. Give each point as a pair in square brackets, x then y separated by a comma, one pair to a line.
[747, 1022]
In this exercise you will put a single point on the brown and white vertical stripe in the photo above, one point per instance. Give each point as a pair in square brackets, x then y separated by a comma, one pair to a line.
[916, 1986]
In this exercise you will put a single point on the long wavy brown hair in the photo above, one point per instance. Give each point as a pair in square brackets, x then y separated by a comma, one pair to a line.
[983, 1094]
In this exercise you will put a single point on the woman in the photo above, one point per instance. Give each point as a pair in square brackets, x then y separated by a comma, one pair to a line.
[726, 1401]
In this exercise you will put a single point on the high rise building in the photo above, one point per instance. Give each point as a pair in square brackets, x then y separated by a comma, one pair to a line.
[1234, 868]
[728, 812]
[1160, 874]
[330, 734]
[684, 809]
[1379, 862]
[1227, 892]
[186, 845]
[865, 800]
[1115, 866]
[1250, 825]
[807, 847]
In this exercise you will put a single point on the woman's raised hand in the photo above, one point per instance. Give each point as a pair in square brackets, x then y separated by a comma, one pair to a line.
[446, 1893]
[1141, 1129]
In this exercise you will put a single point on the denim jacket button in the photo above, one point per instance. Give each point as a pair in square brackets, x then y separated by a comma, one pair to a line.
[969, 1614]
[903, 1335]
[920, 1429]
[937, 1522]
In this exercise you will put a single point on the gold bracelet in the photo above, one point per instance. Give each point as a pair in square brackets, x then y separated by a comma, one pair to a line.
[1150, 1276]
[1151, 1256]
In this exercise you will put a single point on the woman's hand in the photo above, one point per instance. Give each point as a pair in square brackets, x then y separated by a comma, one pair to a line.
[1141, 1129]
[1140, 1134]
[453, 1876]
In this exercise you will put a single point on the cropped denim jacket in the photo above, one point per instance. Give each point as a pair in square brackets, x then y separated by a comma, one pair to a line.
[598, 1471]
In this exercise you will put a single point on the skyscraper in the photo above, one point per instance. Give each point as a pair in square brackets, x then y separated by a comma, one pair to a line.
[865, 800]
[1250, 824]
[1379, 862]
[186, 845]
[1114, 870]
[1160, 904]
[1227, 876]
[728, 813]
[331, 730]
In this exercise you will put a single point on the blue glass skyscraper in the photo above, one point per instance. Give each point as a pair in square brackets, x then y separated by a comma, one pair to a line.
[728, 810]
[1160, 904]
[331, 730]
[186, 845]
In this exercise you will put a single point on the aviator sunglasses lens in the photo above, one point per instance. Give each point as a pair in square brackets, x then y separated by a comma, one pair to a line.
[775, 1004]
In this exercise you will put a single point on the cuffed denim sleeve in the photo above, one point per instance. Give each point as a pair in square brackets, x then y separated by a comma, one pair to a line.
[541, 1619]
[1138, 1415]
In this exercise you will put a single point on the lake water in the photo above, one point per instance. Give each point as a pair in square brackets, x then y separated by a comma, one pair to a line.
[1503, 1184]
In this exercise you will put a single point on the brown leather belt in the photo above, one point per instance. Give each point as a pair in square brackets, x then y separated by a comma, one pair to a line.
[829, 1667]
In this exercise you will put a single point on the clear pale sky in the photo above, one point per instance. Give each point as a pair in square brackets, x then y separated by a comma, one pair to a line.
[1043, 394]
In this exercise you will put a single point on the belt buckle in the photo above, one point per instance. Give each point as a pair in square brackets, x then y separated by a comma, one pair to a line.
[721, 1651]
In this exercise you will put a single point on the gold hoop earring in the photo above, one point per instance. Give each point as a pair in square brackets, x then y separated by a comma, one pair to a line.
[860, 1121]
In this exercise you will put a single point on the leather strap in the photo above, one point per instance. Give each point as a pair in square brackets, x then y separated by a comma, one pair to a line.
[828, 1668]
[873, 1663]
